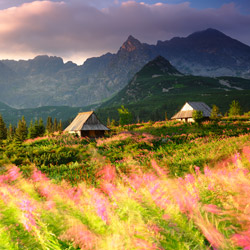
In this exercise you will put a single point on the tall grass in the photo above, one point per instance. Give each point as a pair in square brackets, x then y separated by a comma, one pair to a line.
[140, 210]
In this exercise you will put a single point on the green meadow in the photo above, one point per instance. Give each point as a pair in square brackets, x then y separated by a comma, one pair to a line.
[155, 185]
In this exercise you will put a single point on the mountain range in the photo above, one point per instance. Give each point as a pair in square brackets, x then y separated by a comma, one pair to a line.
[47, 80]
[155, 89]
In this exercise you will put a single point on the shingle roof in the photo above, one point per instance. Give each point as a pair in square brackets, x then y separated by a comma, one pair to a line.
[183, 114]
[86, 121]
[206, 110]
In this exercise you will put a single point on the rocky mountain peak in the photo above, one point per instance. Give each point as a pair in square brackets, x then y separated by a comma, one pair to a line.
[209, 33]
[131, 44]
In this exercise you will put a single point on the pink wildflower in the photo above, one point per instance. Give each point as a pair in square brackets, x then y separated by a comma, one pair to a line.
[207, 171]
[242, 239]
[158, 170]
[144, 245]
[50, 205]
[13, 173]
[246, 152]
[108, 173]
[236, 159]
[215, 238]
[101, 204]
[38, 176]
[81, 237]
[211, 208]
[166, 217]
[197, 170]
[109, 188]
[74, 194]
[28, 219]
[189, 178]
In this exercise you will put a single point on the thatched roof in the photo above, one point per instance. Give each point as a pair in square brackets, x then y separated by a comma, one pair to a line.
[201, 106]
[86, 121]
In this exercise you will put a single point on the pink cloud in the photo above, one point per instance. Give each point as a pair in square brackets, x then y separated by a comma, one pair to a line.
[77, 30]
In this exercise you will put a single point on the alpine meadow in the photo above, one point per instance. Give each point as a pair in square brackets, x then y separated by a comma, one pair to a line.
[124, 125]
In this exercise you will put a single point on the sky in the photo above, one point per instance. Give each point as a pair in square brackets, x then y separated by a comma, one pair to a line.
[78, 29]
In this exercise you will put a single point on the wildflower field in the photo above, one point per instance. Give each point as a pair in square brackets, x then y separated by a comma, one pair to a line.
[162, 185]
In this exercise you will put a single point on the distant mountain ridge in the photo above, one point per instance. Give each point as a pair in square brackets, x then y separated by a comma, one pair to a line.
[46, 80]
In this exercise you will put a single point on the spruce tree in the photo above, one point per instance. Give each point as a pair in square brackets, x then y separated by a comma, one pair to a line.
[108, 122]
[49, 125]
[10, 132]
[55, 125]
[41, 128]
[235, 108]
[125, 116]
[21, 131]
[3, 129]
[215, 113]
[60, 126]
[31, 131]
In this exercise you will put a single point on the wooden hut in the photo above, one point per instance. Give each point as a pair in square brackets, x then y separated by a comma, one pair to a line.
[186, 112]
[87, 124]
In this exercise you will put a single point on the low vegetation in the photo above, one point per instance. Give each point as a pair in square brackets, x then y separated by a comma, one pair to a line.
[154, 185]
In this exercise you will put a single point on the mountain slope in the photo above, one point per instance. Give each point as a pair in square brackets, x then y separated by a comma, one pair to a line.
[46, 81]
[159, 87]
[208, 52]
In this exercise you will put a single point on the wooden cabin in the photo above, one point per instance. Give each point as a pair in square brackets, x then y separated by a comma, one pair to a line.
[186, 112]
[87, 124]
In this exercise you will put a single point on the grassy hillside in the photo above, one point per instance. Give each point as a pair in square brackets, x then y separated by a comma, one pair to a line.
[154, 107]
[155, 90]
[163, 185]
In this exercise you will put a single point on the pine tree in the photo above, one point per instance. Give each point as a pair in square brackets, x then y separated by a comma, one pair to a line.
[235, 108]
[108, 122]
[113, 122]
[60, 126]
[55, 125]
[21, 131]
[10, 132]
[125, 116]
[41, 128]
[197, 116]
[3, 129]
[49, 125]
[215, 113]
[31, 131]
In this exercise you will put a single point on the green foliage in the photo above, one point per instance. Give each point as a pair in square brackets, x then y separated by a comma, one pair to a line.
[3, 129]
[60, 126]
[197, 115]
[21, 130]
[36, 130]
[31, 130]
[125, 116]
[108, 122]
[49, 125]
[215, 113]
[55, 125]
[11, 132]
[235, 108]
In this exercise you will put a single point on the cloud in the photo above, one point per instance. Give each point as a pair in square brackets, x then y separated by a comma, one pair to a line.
[77, 30]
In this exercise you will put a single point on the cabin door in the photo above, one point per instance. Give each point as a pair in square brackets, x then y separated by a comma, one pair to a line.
[92, 133]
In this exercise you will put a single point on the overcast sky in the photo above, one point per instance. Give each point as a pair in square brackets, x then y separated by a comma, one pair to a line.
[79, 29]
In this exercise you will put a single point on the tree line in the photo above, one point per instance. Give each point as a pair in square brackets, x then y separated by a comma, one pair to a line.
[35, 129]
[126, 117]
